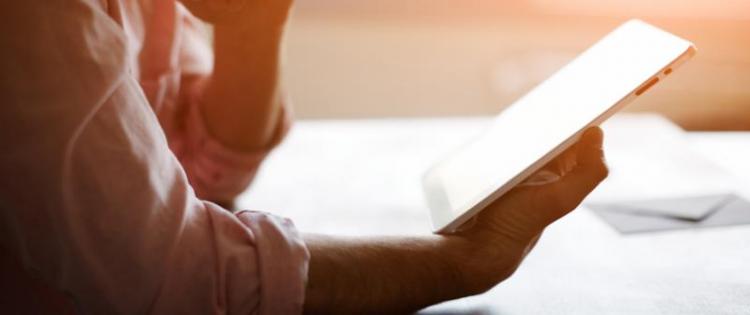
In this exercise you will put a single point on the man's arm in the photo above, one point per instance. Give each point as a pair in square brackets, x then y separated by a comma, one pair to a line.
[399, 275]
[350, 276]
[241, 105]
[377, 275]
[93, 202]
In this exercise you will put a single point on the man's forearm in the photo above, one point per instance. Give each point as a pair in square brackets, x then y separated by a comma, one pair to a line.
[241, 104]
[385, 276]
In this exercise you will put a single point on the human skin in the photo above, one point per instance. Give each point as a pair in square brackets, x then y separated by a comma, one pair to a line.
[241, 102]
[378, 275]
[404, 274]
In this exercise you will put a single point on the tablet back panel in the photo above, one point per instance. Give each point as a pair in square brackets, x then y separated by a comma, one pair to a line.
[540, 125]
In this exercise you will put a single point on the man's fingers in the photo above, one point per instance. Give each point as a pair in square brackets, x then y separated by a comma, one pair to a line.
[590, 149]
[589, 171]
[562, 196]
[568, 160]
[526, 210]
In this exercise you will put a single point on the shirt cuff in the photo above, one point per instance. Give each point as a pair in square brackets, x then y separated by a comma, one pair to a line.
[220, 173]
[282, 262]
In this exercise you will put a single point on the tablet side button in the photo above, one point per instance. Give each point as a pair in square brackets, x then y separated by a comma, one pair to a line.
[646, 86]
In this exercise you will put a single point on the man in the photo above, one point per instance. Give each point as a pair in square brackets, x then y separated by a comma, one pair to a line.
[116, 129]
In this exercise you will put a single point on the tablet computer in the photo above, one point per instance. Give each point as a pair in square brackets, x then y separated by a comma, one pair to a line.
[550, 118]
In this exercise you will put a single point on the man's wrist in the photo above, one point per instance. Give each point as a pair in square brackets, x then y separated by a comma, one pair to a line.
[252, 29]
[477, 263]
[459, 257]
[257, 19]
[233, 13]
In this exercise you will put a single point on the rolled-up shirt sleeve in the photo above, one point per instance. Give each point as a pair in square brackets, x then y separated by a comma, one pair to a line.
[96, 205]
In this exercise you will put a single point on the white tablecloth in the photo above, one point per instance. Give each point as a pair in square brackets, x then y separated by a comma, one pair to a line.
[362, 177]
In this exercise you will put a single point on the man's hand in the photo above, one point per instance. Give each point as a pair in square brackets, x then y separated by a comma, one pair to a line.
[509, 228]
[399, 275]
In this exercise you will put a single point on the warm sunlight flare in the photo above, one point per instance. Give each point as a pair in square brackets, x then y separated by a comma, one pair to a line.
[287, 157]
[477, 56]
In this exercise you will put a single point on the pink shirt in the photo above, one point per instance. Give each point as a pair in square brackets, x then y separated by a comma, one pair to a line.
[105, 165]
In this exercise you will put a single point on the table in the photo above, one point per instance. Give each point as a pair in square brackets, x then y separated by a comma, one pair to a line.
[362, 177]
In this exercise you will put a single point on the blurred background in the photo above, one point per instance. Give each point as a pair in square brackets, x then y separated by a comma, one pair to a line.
[416, 58]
